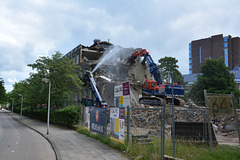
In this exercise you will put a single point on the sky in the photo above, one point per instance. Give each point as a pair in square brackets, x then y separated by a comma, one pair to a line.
[33, 28]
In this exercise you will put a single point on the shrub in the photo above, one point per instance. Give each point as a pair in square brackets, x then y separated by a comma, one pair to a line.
[69, 115]
[17, 109]
[39, 113]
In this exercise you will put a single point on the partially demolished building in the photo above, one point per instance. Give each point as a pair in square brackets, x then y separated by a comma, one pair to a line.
[113, 68]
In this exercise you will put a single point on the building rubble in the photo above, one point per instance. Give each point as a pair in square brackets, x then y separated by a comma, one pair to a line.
[151, 119]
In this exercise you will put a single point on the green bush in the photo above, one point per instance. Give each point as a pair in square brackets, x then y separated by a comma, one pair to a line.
[68, 116]
[17, 109]
[39, 113]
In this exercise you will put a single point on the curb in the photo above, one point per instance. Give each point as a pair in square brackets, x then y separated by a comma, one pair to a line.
[57, 154]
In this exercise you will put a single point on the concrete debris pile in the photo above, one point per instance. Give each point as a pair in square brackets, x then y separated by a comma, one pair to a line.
[225, 125]
[146, 119]
[189, 115]
[191, 104]
[151, 119]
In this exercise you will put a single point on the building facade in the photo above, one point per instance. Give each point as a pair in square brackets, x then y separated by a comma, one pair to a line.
[216, 46]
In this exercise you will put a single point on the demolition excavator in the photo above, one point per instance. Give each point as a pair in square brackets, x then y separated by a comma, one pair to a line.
[155, 92]
[89, 101]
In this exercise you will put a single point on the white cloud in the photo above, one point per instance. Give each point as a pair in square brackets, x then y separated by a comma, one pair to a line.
[12, 80]
[40, 27]
[12, 76]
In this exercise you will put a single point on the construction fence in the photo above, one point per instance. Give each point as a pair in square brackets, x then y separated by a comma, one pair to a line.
[165, 126]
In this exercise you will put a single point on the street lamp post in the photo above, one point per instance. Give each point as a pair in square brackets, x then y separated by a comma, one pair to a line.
[49, 96]
[12, 103]
[21, 103]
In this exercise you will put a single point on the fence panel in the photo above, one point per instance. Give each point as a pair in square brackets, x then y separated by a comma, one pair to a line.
[191, 124]
[145, 121]
[150, 129]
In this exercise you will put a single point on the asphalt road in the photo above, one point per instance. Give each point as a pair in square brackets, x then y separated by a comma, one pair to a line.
[18, 142]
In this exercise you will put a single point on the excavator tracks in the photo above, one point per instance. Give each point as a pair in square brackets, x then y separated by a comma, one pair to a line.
[152, 101]
[157, 101]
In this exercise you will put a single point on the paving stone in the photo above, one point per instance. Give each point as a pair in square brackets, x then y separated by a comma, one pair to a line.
[72, 145]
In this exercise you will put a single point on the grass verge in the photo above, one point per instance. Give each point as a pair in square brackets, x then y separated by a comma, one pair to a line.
[104, 139]
[184, 149]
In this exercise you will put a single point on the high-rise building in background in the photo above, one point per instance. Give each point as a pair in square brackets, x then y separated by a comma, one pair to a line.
[216, 46]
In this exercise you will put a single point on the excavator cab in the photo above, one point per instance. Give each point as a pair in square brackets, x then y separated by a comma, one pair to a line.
[149, 84]
[151, 88]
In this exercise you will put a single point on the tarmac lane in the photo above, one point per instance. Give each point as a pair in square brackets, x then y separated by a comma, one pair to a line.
[18, 142]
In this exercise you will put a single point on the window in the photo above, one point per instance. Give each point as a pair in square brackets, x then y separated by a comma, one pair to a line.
[77, 59]
[190, 61]
[200, 54]
[190, 53]
[225, 39]
[190, 71]
[225, 51]
[147, 85]
[153, 85]
[226, 57]
[190, 46]
[226, 63]
[190, 66]
[225, 45]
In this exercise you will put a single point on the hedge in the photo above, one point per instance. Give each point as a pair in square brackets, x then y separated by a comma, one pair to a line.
[67, 116]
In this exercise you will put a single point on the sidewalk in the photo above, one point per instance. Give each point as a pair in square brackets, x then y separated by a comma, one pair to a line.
[69, 144]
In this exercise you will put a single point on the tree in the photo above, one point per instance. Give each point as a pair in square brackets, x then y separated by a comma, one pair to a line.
[215, 78]
[65, 82]
[20, 87]
[169, 64]
[2, 92]
[64, 76]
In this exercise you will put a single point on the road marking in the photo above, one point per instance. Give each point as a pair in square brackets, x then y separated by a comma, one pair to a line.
[18, 137]
[16, 142]
[13, 151]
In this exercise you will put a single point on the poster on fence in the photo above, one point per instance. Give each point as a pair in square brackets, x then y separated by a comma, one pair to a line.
[220, 104]
[122, 95]
[87, 118]
[98, 120]
[117, 124]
